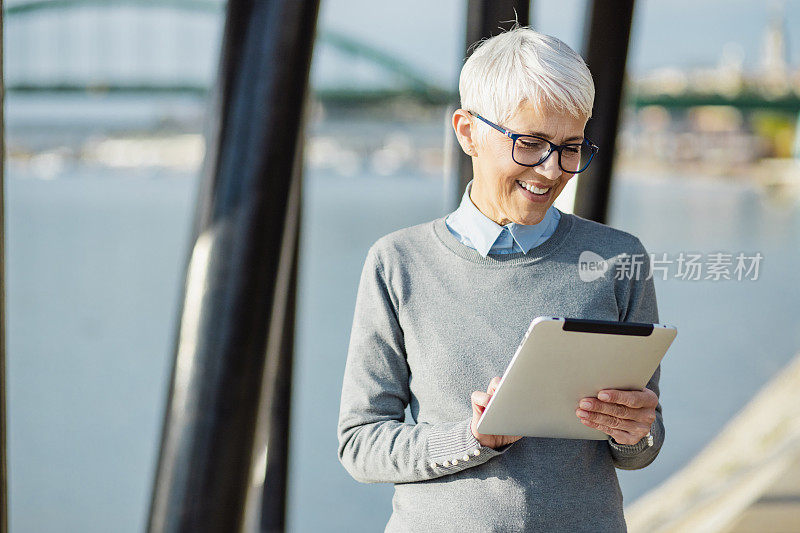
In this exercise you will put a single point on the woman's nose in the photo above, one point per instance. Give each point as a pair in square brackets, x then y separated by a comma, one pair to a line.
[549, 168]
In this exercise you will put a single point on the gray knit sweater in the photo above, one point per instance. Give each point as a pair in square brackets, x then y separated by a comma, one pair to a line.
[434, 320]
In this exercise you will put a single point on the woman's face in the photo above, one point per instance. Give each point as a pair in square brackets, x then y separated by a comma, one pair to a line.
[496, 191]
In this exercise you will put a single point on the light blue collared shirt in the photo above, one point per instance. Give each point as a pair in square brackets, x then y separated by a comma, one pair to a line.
[483, 234]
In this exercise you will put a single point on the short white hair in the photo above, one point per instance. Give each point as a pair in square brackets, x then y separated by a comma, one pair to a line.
[524, 65]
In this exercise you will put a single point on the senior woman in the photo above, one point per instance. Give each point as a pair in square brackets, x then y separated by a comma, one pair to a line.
[442, 306]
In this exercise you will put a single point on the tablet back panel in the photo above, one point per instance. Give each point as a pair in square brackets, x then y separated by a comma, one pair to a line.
[559, 362]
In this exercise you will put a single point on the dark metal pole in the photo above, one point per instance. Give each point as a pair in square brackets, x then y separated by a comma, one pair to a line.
[606, 51]
[226, 424]
[3, 468]
[484, 19]
[266, 502]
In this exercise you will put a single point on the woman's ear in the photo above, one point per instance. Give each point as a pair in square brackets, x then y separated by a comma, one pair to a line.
[463, 126]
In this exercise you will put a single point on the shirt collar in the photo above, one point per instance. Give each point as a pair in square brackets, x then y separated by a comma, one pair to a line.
[482, 231]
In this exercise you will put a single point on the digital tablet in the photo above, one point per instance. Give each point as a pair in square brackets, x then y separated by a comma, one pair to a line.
[562, 360]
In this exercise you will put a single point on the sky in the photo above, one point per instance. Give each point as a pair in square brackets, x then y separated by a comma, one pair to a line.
[128, 43]
[665, 33]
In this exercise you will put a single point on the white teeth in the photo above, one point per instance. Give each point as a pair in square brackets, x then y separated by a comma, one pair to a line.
[533, 189]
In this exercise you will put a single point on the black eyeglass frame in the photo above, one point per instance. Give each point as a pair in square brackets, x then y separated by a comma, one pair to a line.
[593, 148]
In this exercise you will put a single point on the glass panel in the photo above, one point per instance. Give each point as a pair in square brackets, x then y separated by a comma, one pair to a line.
[701, 183]
[372, 166]
[104, 111]
[704, 180]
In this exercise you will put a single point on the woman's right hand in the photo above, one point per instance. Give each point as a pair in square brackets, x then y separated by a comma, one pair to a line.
[480, 400]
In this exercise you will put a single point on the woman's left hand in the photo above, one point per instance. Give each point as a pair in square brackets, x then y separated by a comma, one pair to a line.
[626, 415]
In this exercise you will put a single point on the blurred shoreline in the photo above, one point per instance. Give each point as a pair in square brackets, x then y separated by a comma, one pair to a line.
[165, 133]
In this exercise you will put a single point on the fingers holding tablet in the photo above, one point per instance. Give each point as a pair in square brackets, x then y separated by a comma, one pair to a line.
[480, 400]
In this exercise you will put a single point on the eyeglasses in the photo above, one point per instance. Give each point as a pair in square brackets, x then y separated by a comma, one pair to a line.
[531, 150]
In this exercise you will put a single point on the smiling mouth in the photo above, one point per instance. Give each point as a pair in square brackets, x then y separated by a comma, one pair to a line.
[533, 189]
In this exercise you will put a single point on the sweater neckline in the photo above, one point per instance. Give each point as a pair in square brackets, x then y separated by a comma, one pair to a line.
[449, 241]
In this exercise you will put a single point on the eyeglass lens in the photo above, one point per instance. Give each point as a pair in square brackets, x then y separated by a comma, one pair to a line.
[532, 151]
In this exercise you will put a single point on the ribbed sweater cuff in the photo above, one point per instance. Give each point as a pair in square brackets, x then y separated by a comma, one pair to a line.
[630, 450]
[452, 446]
